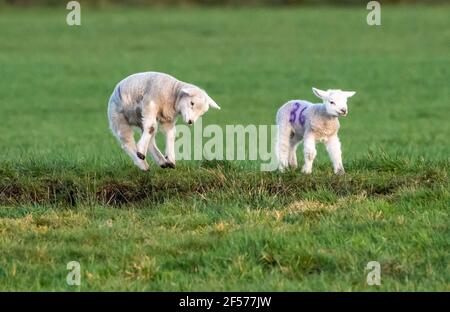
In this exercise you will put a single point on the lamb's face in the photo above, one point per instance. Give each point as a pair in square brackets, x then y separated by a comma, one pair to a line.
[335, 101]
[193, 103]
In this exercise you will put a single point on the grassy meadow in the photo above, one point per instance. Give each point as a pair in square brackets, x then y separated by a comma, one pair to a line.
[69, 193]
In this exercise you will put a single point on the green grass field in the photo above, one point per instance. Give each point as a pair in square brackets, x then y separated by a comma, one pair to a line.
[69, 193]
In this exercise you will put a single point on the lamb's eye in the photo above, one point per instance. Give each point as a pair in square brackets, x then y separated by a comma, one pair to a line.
[332, 103]
[192, 103]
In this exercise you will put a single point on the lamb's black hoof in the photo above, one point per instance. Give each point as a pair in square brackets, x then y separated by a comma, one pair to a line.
[141, 156]
[168, 165]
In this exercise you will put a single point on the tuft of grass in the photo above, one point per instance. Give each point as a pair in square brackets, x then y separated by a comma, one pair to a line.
[74, 187]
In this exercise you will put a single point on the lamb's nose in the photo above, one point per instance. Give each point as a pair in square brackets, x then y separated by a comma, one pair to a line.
[190, 122]
[344, 111]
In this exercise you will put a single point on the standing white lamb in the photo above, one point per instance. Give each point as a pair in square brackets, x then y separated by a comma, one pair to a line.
[149, 99]
[299, 120]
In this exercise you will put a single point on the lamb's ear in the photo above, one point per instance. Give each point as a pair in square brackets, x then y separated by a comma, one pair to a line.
[349, 93]
[320, 93]
[213, 104]
[185, 92]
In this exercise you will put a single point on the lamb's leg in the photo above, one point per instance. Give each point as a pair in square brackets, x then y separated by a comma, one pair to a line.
[170, 130]
[334, 150]
[147, 140]
[147, 143]
[309, 150]
[157, 156]
[124, 133]
[282, 146]
[293, 143]
[149, 127]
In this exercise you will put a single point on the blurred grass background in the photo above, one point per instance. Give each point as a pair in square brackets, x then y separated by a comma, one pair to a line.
[57, 79]
[218, 2]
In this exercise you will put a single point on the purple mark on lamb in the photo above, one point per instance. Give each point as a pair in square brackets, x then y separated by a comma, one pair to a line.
[302, 117]
[293, 113]
[118, 92]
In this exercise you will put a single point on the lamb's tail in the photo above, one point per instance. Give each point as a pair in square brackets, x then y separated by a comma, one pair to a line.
[116, 96]
[114, 103]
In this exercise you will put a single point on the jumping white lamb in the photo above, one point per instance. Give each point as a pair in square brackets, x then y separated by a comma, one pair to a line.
[301, 120]
[147, 100]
